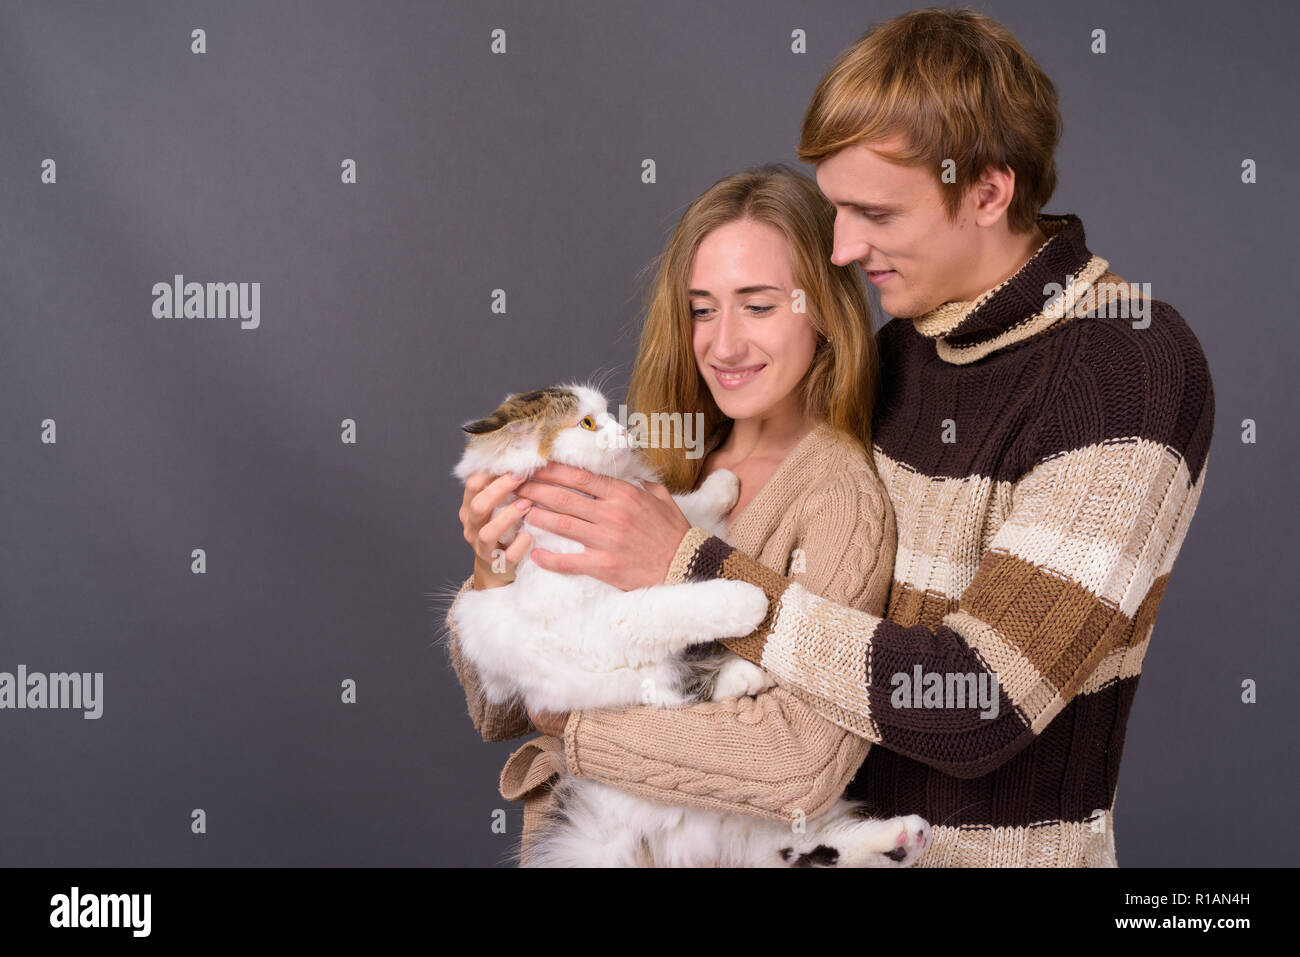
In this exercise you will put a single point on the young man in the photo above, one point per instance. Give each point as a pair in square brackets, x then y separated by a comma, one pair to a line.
[1043, 433]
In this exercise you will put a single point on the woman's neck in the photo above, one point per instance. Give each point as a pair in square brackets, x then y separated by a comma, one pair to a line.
[764, 437]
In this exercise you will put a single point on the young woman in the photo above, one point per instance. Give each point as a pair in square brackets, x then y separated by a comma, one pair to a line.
[750, 324]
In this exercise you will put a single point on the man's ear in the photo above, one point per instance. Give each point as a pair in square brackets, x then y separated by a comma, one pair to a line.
[992, 194]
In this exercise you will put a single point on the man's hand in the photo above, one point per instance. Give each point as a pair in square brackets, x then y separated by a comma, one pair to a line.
[548, 723]
[630, 535]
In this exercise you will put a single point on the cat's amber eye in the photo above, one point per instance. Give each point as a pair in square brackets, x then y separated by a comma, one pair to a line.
[587, 423]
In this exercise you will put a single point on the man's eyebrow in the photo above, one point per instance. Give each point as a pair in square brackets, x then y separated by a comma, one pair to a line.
[876, 208]
[742, 291]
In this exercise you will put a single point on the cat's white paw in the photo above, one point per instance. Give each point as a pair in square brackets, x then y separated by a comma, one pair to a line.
[895, 842]
[720, 490]
[738, 677]
[844, 837]
[729, 609]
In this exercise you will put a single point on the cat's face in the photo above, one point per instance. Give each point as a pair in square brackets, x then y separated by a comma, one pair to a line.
[569, 424]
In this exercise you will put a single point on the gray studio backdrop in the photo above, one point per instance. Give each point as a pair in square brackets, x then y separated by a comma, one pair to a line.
[222, 691]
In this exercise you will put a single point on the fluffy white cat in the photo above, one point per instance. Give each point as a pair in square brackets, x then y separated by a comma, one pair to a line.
[559, 642]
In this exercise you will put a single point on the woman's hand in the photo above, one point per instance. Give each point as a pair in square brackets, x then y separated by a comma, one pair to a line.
[483, 493]
[549, 723]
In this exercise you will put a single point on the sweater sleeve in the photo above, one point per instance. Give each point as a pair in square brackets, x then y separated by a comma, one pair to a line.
[493, 722]
[1063, 600]
[771, 755]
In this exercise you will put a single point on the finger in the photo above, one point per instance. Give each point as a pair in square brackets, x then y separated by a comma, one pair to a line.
[588, 534]
[494, 494]
[519, 548]
[509, 517]
[557, 498]
[589, 483]
[473, 485]
[547, 560]
[566, 563]
[476, 482]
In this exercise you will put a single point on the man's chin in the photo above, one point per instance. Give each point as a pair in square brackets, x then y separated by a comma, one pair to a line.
[899, 310]
[906, 309]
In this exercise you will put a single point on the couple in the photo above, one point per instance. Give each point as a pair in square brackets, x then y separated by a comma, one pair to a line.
[990, 494]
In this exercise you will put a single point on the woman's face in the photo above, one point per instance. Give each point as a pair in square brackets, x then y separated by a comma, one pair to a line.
[751, 346]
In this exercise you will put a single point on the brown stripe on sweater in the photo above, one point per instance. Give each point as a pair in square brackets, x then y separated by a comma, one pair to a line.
[908, 606]
[750, 647]
[706, 563]
[684, 557]
[1052, 621]
[911, 606]
[1144, 619]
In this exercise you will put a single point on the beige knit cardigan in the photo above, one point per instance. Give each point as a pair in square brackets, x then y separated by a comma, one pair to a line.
[823, 518]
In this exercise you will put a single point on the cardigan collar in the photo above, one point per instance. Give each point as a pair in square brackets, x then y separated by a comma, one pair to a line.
[1020, 306]
[779, 490]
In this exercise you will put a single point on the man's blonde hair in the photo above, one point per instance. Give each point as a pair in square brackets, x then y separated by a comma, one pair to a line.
[958, 86]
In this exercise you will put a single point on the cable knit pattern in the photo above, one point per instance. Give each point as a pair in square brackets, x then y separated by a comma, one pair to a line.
[822, 516]
[1044, 457]
[770, 756]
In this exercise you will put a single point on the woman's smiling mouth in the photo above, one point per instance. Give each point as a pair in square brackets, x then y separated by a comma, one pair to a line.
[734, 378]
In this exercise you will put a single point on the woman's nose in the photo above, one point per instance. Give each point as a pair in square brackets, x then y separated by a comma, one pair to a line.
[728, 340]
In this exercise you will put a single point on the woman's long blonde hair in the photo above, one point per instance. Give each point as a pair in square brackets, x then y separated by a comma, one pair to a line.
[841, 383]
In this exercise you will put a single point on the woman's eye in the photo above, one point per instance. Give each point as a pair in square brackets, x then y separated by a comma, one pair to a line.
[877, 218]
[588, 423]
[757, 310]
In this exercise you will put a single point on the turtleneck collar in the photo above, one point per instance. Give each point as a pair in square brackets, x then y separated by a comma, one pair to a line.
[1017, 308]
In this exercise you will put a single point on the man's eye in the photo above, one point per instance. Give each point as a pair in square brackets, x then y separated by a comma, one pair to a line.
[877, 218]
[587, 423]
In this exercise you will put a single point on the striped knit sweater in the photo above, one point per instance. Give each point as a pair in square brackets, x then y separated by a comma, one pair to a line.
[1044, 459]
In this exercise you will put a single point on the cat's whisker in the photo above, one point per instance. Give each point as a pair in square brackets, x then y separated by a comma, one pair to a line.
[602, 378]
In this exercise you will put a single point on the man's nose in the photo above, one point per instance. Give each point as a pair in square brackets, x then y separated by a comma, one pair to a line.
[848, 248]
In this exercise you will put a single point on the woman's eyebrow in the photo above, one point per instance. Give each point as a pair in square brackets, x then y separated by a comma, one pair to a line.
[742, 291]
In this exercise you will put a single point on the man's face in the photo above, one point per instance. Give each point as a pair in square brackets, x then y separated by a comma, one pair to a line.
[890, 220]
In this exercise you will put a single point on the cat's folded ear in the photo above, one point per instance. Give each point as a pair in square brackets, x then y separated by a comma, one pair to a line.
[479, 426]
[492, 423]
